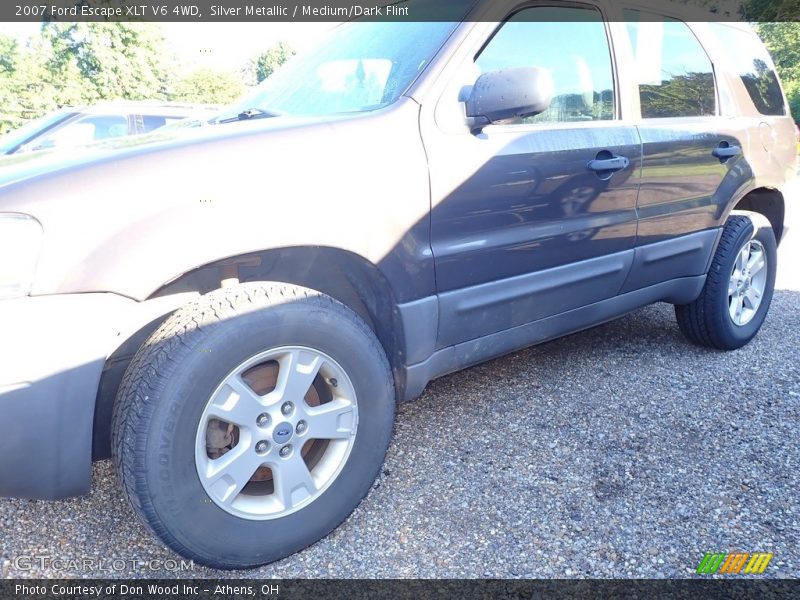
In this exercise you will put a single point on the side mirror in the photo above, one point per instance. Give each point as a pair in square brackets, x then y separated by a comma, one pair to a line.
[509, 94]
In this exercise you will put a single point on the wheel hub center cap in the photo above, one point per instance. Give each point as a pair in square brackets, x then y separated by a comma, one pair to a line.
[282, 433]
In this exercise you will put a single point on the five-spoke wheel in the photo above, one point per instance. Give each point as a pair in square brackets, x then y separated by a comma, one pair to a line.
[252, 423]
[735, 298]
[276, 432]
[747, 283]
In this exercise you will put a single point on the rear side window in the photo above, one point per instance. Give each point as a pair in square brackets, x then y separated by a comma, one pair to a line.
[569, 42]
[676, 78]
[754, 66]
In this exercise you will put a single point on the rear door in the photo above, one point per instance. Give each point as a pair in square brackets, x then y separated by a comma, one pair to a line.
[692, 156]
[521, 227]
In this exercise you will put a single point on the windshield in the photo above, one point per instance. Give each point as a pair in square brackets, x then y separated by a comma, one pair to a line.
[14, 138]
[360, 66]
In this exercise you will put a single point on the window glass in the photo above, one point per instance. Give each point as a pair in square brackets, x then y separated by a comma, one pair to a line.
[571, 43]
[360, 66]
[84, 131]
[754, 65]
[675, 75]
[147, 123]
[14, 139]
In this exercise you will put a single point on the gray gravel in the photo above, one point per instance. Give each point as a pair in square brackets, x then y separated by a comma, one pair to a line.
[622, 451]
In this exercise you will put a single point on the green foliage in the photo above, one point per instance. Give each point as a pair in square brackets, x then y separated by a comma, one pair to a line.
[8, 54]
[792, 89]
[25, 91]
[265, 64]
[111, 60]
[783, 42]
[210, 86]
[770, 11]
[74, 64]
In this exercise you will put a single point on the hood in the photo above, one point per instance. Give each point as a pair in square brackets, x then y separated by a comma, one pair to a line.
[19, 168]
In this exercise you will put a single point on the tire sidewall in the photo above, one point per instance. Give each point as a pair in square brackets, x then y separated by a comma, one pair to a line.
[175, 490]
[731, 334]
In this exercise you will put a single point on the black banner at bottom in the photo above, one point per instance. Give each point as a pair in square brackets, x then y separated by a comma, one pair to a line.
[373, 589]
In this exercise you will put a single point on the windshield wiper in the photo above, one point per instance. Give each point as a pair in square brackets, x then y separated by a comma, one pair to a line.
[251, 113]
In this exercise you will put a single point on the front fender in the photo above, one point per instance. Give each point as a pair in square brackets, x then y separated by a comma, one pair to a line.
[138, 219]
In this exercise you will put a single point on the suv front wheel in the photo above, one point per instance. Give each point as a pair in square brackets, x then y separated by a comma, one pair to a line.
[738, 290]
[252, 423]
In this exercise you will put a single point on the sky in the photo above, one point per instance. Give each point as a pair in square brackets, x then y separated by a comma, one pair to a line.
[216, 45]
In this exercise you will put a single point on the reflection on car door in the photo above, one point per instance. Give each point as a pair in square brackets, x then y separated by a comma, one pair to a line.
[521, 227]
[691, 158]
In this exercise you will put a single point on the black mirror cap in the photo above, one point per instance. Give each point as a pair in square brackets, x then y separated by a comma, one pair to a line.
[509, 94]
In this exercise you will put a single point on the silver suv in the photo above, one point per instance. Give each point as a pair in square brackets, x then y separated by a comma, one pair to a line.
[232, 312]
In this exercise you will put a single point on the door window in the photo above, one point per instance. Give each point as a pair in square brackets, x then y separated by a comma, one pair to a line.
[675, 75]
[572, 44]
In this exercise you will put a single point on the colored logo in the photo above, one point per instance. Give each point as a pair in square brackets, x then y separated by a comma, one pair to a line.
[734, 563]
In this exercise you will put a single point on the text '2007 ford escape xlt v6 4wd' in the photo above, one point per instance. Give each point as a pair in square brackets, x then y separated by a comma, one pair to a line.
[232, 312]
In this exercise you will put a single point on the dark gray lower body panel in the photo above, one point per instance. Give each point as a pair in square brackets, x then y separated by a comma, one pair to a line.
[53, 349]
[46, 437]
[465, 354]
[420, 323]
[684, 256]
[483, 309]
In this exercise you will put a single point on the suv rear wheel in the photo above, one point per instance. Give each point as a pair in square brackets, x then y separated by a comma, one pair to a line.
[738, 290]
[252, 423]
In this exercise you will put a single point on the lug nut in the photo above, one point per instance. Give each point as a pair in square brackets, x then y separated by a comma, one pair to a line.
[301, 427]
[262, 420]
[286, 451]
[262, 446]
[287, 408]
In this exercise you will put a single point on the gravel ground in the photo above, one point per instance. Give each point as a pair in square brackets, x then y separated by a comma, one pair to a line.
[622, 451]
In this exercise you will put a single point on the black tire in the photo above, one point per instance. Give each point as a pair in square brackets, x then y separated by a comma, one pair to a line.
[707, 320]
[172, 377]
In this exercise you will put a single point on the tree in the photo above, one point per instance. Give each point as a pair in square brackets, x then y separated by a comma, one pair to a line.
[81, 63]
[208, 86]
[9, 55]
[770, 11]
[783, 42]
[265, 64]
[107, 60]
[792, 89]
[26, 90]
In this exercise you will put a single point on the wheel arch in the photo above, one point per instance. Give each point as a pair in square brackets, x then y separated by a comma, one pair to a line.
[342, 275]
[765, 201]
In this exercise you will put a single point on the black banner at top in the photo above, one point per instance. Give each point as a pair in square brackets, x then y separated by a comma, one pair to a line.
[380, 10]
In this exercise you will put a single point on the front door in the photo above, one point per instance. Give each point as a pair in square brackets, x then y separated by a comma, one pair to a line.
[521, 226]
